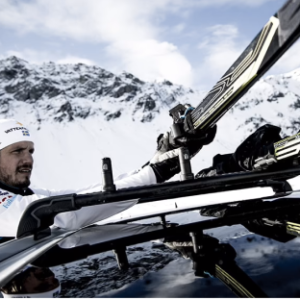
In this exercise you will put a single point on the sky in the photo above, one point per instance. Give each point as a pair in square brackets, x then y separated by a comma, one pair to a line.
[188, 42]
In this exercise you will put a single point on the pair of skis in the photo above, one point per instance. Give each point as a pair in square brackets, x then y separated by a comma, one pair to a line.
[276, 37]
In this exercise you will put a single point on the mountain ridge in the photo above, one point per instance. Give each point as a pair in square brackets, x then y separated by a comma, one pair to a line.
[49, 85]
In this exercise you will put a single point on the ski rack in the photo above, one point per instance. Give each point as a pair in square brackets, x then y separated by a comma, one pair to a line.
[18, 253]
[39, 215]
[209, 257]
[277, 209]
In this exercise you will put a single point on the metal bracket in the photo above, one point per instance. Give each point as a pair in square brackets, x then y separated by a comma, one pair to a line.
[107, 176]
[197, 238]
[279, 186]
[185, 164]
[121, 258]
[163, 220]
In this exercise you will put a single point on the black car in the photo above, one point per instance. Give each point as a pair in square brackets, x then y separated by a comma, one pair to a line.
[247, 248]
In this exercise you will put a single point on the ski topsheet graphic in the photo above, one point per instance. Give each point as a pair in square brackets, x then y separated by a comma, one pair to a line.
[287, 147]
[282, 30]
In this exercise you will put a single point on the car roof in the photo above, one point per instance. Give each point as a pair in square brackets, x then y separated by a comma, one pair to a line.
[272, 217]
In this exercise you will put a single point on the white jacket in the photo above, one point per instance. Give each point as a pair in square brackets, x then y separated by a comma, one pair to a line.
[12, 205]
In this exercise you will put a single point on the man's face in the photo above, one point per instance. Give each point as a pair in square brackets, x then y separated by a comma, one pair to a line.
[16, 164]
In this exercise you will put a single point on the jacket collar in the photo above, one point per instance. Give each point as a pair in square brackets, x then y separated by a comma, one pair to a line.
[15, 190]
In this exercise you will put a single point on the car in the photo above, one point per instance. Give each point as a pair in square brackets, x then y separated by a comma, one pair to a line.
[247, 248]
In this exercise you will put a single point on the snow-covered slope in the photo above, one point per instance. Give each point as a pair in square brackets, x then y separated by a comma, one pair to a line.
[80, 114]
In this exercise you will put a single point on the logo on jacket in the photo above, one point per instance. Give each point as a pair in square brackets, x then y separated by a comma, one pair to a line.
[6, 201]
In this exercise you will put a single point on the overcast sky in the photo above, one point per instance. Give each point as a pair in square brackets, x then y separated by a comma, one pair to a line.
[189, 42]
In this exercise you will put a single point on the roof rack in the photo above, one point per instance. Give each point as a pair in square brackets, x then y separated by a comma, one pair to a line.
[285, 208]
[205, 254]
[18, 253]
[39, 215]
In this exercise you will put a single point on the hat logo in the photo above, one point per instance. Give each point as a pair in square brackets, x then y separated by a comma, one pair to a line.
[25, 133]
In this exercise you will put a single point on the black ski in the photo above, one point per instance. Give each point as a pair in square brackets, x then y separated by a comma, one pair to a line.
[282, 30]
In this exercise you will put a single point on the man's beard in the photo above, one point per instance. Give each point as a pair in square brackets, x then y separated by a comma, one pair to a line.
[8, 179]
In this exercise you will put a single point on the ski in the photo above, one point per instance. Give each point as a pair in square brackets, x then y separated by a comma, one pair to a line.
[287, 147]
[280, 32]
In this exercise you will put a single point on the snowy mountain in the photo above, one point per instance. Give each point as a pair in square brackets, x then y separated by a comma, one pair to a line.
[66, 93]
[80, 114]
[275, 100]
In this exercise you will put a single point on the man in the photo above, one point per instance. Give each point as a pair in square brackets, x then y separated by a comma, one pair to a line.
[16, 166]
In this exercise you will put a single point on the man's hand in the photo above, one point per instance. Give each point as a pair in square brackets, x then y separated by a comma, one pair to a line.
[165, 162]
